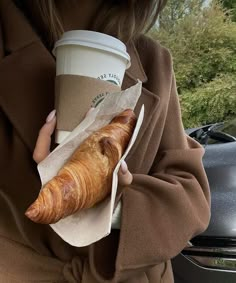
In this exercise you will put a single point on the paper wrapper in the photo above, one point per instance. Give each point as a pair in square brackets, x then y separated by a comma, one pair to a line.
[90, 225]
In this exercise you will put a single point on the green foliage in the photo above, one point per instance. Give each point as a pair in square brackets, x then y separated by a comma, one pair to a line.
[176, 10]
[203, 45]
[230, 5]
[210, 103]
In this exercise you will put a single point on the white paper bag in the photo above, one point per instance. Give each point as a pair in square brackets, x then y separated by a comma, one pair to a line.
[90, 225]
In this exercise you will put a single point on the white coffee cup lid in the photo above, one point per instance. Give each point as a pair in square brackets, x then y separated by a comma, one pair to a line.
[94, 40]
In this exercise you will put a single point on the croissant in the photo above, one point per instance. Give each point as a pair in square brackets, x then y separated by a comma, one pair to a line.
[86, 178]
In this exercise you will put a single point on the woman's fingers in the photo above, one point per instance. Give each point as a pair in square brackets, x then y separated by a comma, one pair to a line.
[42, 148]
[124, 176]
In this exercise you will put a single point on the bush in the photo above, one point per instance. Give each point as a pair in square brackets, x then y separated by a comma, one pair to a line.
[213, 102]
[203, 45]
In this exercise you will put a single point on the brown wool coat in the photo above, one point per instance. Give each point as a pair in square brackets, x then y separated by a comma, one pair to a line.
[166, 205]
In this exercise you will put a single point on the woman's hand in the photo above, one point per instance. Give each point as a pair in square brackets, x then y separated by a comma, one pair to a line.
[42, 148]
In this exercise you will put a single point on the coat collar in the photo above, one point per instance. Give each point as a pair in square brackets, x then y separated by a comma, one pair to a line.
[136, 70]
[28, 72]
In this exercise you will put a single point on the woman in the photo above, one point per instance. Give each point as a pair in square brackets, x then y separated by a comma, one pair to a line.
[164, 193]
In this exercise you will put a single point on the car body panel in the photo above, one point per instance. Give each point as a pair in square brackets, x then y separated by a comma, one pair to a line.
[212, 256]
[220, 165]
[186, 271]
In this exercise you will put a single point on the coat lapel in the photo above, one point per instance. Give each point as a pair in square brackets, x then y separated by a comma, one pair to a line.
[136, 71]
[27, 76]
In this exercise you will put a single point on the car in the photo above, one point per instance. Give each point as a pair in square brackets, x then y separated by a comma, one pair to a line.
[211, 256]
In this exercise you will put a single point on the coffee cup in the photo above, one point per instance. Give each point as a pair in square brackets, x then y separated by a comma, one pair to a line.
[89, 65]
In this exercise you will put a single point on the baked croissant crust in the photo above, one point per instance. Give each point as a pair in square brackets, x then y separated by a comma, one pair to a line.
[86, 178]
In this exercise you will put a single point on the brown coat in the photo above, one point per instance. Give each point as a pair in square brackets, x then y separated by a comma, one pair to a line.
[166, 205]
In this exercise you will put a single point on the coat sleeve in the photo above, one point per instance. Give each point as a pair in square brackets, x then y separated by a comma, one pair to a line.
[161, 211]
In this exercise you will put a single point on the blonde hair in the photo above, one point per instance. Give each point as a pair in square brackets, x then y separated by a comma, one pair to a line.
[124, 19]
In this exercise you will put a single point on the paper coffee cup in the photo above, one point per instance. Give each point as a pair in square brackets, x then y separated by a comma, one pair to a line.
[89, 65]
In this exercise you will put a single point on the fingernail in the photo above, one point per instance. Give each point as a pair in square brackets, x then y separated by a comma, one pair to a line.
[51, 115]
[124, 167]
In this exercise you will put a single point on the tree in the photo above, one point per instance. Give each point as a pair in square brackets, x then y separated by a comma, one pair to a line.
[203, 45]
[176, 10]
[230, 5]
[210, 103]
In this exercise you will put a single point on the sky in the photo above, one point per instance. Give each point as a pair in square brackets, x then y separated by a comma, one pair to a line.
[207, 2]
